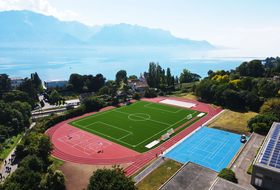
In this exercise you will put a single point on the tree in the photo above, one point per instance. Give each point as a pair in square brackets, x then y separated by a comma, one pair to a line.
[150, 93]
[54, 97]
[32, 162]
[136, 96]
[54, 180]
[168, 77]
[271, 107]
[151, 78]
[210, 72]
[45, 147]
[185, 76]
[91, 104]
[120, 76]
[36, 81]
[132, 77]
[163, 77]
[227, 174]
[261, 123]
[114, 179]
[5, 83]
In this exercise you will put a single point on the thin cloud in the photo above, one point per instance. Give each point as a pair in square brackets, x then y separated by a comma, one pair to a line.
[39, 6]
[71, 13]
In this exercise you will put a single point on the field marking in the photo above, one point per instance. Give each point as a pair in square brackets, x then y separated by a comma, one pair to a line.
[116, 110]
[137, 115]
[144, 118]
[147, 105]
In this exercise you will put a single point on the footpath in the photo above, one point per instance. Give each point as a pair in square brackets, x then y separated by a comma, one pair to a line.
[244, 160]
[10, 164]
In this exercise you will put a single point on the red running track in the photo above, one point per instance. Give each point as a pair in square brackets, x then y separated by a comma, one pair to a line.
[138, 160]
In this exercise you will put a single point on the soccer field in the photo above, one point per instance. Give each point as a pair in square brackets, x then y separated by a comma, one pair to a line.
[136, 125]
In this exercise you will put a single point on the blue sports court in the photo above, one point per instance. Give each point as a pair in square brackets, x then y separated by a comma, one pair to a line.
[208, 147]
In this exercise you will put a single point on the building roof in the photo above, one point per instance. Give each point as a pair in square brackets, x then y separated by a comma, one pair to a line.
[191, 176]
[72, 101]
[55, 80]
[221, 183]
[16, 78]
[268, 155]
[140, 84]
[144, 75]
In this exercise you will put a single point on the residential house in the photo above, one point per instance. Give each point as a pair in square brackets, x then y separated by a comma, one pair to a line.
[15, 82]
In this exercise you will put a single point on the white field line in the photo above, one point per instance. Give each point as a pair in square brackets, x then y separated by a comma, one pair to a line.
[97, 114]
[143, 118]
[147, 105]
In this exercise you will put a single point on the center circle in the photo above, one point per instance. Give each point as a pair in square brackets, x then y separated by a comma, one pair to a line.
[139, 117]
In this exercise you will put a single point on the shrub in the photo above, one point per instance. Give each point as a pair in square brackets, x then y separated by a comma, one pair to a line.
[136, 96]
[227, 174]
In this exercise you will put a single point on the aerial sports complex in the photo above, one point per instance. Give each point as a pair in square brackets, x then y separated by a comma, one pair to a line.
[142, 130]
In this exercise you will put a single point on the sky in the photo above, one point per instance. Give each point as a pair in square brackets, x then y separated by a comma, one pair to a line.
[249, 24]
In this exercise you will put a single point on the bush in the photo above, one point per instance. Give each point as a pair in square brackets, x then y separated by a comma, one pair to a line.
[227, 174]
[261, 123]
[136, 96]
[161, 93]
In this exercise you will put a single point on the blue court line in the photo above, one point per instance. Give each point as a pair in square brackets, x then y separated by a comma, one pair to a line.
[209, 147]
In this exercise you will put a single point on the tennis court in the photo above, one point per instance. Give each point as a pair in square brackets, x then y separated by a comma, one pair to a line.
[208, 147]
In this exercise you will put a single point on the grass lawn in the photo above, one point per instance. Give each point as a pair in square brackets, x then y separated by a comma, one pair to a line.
[10, 145]
[136, 125]
[160, 175]
[233, 121]
[56, 162]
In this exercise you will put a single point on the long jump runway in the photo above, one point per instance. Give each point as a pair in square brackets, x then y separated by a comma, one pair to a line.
[74, 145]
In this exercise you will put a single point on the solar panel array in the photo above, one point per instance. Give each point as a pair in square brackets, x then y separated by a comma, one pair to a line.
[271, 154]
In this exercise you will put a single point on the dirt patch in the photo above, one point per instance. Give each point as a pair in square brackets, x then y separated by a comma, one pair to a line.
[78, 175]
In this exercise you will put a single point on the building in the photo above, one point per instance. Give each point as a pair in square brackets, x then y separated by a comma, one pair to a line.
[85, 95]
[143, 77]
[15, 82]
[54, 83]
[137, 84]
[266, 167]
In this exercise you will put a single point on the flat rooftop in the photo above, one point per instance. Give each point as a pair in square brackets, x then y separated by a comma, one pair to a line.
[191, 176]
[268, 155]
[221, 183]
[55, 80]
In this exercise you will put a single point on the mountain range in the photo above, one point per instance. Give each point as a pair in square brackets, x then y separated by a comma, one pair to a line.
[29, 29]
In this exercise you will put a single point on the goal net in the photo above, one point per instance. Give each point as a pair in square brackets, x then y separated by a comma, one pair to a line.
[189, 116]
[165, 136]
[170, 131]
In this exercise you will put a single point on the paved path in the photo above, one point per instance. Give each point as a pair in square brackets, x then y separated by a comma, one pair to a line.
[244, 160]
[11, 165]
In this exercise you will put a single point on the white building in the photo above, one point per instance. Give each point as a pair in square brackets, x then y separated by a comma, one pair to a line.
[54, 83]
[15, 82]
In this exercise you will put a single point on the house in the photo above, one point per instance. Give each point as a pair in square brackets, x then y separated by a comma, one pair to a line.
[266, 167]
[83, 96]
[137, 84]
[143, 77]
[53, 83]
[15, 82]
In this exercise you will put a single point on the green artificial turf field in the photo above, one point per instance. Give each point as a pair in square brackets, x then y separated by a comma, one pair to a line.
[136, 125]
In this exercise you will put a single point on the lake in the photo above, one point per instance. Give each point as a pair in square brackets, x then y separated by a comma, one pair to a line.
[61, 63]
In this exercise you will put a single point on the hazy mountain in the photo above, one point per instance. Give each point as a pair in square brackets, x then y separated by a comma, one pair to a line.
[26, 28]
[128, 35]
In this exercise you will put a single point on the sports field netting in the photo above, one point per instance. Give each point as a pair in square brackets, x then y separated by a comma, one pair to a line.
[208, 147]
[136, 125]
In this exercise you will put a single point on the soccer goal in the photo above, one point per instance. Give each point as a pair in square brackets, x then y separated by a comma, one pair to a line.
[165, 136]
[189, 116]
[170, 131]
